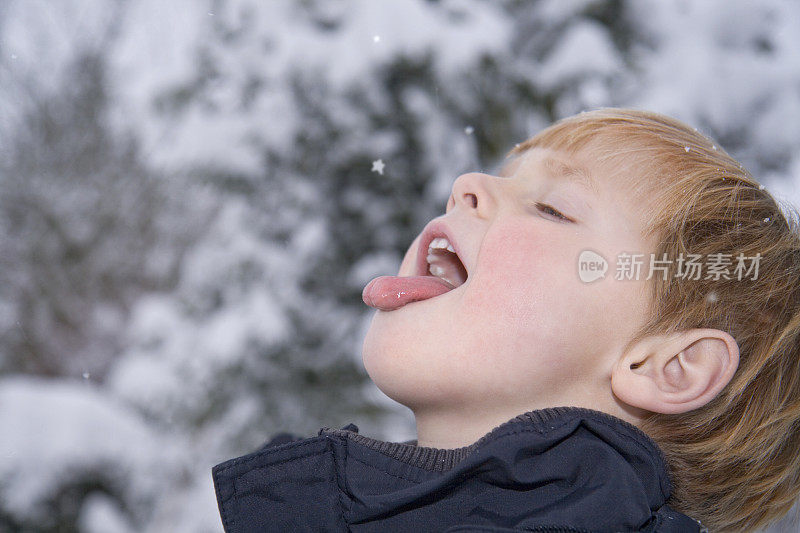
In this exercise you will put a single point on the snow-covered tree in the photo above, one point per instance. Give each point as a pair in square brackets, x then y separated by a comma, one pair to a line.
[189, 210]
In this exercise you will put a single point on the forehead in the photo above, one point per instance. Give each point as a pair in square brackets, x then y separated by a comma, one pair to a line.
[556, 165]
[617, 180]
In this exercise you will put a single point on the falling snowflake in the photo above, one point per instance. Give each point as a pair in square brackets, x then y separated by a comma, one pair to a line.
[712, 297]
[713, 146]
[686, 148]
[376, 39]
[468, 130]
[86, 375]
[767, 219]
[760, 187]
[377, 166]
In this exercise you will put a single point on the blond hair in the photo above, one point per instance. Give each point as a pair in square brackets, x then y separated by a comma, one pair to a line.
[735, 462]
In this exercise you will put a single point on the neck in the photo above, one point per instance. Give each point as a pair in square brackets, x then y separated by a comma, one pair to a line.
[456, 428]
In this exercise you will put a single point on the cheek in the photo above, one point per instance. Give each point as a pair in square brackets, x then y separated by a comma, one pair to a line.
[527, 298]
[525, 283]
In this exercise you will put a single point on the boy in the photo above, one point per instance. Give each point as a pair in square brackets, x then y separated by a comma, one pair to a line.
[662, 399]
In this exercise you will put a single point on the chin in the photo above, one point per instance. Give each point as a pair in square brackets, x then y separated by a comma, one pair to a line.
[387, 363]
[397, 361]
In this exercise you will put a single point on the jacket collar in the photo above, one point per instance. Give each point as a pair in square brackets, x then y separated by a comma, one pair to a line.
[568, 466]
[645, 457]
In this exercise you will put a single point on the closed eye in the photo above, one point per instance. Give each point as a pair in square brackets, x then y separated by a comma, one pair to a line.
[544, 208]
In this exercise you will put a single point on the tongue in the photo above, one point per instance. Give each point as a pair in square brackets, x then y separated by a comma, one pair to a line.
[388, 293]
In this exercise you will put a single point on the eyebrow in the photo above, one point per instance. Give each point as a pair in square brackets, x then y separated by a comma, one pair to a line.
[577, 174]
[561, 169]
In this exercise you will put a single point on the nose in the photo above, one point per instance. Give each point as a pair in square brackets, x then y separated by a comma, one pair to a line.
[475, 192]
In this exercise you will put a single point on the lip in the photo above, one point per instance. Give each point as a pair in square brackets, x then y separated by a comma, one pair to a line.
[435, 228]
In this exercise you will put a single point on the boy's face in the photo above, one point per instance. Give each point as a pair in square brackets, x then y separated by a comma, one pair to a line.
[523, 331]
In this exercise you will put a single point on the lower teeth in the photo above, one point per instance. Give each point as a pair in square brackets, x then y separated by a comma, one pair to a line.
[439, 272]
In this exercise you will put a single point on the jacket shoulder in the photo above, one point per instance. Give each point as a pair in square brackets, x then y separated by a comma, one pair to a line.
[281, 487]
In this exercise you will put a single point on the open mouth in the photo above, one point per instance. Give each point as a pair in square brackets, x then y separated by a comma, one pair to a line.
[443, 262]
[440, 256]
[439, 270]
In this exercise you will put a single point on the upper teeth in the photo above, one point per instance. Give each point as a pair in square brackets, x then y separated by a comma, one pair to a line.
[441, 242]
[441, 267]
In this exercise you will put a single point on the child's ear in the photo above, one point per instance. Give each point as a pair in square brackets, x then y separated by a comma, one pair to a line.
[676, 373]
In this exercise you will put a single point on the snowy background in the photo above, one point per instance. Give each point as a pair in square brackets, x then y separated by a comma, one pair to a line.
[189, 212]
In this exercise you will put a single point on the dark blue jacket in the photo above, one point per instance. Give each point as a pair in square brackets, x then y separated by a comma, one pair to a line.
[562, 469]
